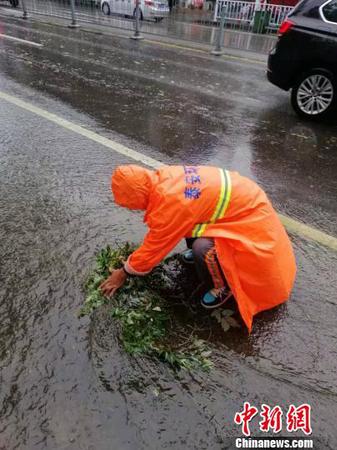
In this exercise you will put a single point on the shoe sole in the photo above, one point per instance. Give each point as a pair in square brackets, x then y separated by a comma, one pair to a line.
[204, 305]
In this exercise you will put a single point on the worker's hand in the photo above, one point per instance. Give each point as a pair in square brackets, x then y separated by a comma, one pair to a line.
[114, 282]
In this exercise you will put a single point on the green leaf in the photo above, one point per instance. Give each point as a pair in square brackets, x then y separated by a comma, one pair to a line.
[233, 323]
[143, 315]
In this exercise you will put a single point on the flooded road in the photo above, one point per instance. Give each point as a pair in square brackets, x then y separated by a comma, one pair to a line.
[65, 382]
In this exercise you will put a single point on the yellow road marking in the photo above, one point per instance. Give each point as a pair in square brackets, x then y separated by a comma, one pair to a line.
[198, 50]
[241, 58]
[311, 233]
[292, 225]
[181, 47]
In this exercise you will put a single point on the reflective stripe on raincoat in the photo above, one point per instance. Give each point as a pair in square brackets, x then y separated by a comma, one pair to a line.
[252, 245]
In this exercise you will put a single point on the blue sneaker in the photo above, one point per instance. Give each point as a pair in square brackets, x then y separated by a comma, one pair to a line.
[187, 256]
[216, 297]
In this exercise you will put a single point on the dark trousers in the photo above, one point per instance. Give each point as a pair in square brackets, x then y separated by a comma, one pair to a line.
[206, 262]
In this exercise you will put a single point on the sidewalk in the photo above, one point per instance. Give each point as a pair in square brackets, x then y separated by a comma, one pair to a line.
[175, 27]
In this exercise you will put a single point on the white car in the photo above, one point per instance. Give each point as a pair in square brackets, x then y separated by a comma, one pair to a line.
[148, 9]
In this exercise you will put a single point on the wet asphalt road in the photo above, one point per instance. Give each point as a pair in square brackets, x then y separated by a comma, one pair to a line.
[65, 382]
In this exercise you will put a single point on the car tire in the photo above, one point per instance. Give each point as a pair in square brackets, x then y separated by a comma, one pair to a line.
[106, 9]
[314, 95]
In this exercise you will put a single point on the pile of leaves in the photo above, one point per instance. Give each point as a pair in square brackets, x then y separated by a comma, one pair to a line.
[146, 319]
[225, 319]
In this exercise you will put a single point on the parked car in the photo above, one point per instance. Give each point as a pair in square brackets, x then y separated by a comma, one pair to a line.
[148, 9]
[305, 58]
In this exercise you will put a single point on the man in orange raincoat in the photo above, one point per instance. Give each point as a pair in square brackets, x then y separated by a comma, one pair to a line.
[238, 243]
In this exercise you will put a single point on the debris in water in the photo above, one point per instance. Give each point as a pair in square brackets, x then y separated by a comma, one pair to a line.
[146, 319]
[223, 316]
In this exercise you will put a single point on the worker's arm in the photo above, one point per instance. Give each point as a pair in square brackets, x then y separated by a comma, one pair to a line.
[153, 250]
[165, 232]
[157, 244]
[169, 222]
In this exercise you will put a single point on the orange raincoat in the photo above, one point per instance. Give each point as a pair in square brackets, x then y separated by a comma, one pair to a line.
[252, 245]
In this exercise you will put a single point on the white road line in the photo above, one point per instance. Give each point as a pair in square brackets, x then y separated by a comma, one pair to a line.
[22, 41]
[292, 225]
[115, 146]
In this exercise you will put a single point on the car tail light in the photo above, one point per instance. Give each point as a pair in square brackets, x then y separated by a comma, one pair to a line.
[285, 27]
[149, 3]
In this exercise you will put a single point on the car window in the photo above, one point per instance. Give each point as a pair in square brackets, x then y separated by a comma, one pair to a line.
[308, 8]
[312, 12]
[298, 8]
[329, 11]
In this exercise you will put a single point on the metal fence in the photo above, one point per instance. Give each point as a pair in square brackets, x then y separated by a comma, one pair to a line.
[251, 16]
[191, 20]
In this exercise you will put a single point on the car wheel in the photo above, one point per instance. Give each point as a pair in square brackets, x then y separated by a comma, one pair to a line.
[314, 95]
[106, 9]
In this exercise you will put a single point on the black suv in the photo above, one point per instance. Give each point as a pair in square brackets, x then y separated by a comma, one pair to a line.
[305, 58]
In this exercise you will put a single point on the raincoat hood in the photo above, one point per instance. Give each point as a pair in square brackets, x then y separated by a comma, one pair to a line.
[131, 186]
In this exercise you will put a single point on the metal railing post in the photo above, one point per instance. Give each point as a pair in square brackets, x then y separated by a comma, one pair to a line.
[24, 9]
[137, 35]
[216, 9]
[74, 23]
[219, 41]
